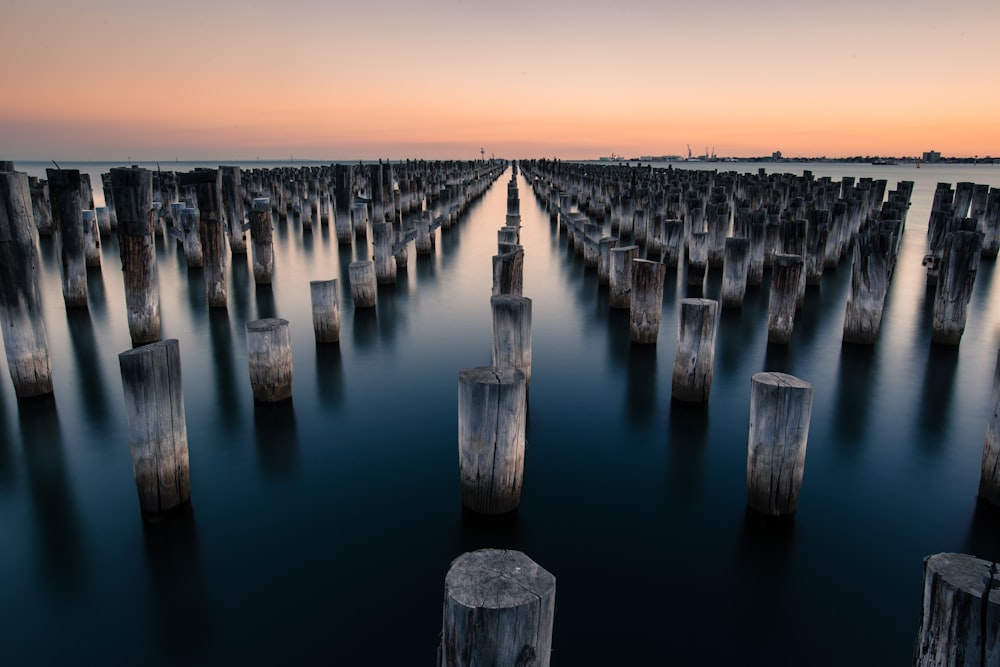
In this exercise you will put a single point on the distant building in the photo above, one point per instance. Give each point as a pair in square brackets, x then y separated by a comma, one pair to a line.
[776, 155]
[932, 156]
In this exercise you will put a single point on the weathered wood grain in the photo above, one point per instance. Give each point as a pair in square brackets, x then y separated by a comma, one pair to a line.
[646, 301]
[269, 356]
[694, 358]
[325, 310]
[362, 278]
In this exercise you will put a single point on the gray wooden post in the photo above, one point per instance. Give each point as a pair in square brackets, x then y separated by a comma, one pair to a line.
[735, 270]
[604, 258]
[620, 276]
[492, 407]
[208, 188]
[133, 192]
[694, 359]
[959, 613]
[154, 406]
[362, 278]
[508, 273]
[91, 239]
[989, 478]
[646, 301]
[959, 264]
[512, 333]
[385, 262]
[325, 310]
[869, 285]
[193, 255]
[499, 609]
[269, 355]
[262, 241]
[21, 315]
[780, 409]
[64, 189]
[786, 273]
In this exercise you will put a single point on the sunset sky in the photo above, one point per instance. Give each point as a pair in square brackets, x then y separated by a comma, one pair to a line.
[242, 79]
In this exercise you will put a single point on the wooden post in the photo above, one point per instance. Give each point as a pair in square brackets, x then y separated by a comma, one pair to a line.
[736, 268]
[133, 191]
[208, 188]
[91, 239]
[499, 609]
[786, 273]
[41, 206]
[869, 285]
[21, 315]
[673, 243]
[359, 220]
[620, 276]
[959, 613]
[758, 238]
[269, 354]
[508, 273]
[103, 220]
[959, 264]
[193, 255]
[424, 241]
[362, 278]
[694, 360]
[512, 334]
[262, 241]
[646, 300]
[989, 478]
[325, 310]
[492, 407]
[64, 189]
[604, 258]
[232, 202]
[697, 266]
[385, 262]
[780, 408]
[154, 406]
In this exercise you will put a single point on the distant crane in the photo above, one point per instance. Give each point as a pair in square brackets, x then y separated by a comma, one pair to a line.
[482, 153]
[689, 151]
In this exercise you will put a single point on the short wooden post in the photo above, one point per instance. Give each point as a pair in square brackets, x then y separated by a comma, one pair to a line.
[492, 408]
[262, 241]
[604, 258]
[269, 354]
[989, 478]
[512, 333]
[786, 273]
[673, 242]
[780, 408]
[959, 264]
[758, 238]
[499, 609]
[21, 315]
[869, 285]
[620, 276]
[646, 300]
[736, 267]
[193, 255]
[959, 613]
[697, 266]
[133, 191]
[154, 406]
[385, 262]
[508, 273]
[694, 359]
[424, 241]
[91, 239]
[103, 220]
[362, 278]
[359, 220]
[325, 310]
[208, 188]
[64, 189]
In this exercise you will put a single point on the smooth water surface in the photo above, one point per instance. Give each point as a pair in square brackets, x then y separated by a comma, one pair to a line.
[322, 530]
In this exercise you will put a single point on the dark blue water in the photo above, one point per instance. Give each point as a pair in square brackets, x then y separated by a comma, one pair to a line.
[321, 531]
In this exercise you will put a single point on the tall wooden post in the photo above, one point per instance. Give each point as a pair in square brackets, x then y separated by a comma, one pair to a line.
[989, 478]
[512, 333]
[325, 310]
[64, 189]
[261, 241]
[694, 359]
[232, 203]
[959, 264]
[786, 276]
[499, 609]
[362, 278]
[269, 355]
[646, 301]
[620, 276]
[604, 258]
[508, 272]
[21, 316]
[154, 405]
[91, 239]
[208, 188]
[735, 269]
[492, 408]
[869, 285]
[385, 262]
[193, 255]
[133, 191]
[780, 409]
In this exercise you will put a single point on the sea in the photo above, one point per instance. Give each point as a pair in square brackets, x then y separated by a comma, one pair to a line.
[321, 531]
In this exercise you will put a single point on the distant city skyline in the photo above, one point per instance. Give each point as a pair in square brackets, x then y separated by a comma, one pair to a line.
[109, 79]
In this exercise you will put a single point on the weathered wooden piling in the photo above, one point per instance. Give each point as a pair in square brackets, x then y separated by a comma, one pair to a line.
[512, 334]
[103, 220]
[269, 355]
[207, 184]
[959, 264]
[193, 256]
[508, 273]
[424, 241]
[91, 239]
[620, 276]
[133, 192]
[262, 241]
[869, 286]
[694, 359]
[21, 316]
[385, 262]
[492, 408]
[959, 613]
[154, 406]
[786, 273]
[64, 190]
[359, 220]
[499, 609]
[697, 266]
[989, 478]
[41, 206]
[325, 310]
[646, 300]
[232, 206]
[604, 247]
[362, 278]
[673, 243]
[780, 409]
[735, 270]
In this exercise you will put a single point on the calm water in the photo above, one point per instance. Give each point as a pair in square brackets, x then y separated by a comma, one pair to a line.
[322, 531]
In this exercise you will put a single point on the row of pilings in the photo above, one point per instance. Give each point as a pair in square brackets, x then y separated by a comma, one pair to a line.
[620, 219]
